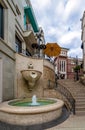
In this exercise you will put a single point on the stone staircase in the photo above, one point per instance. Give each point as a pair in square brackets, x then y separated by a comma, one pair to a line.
[78, 92]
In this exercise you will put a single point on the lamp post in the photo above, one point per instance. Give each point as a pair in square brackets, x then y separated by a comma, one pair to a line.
[41, 41]
[77, 76]
[35, 47]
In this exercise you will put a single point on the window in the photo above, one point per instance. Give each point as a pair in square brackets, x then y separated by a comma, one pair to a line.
[72, 70]
[62, 65]
[18, 45]
[1, 22]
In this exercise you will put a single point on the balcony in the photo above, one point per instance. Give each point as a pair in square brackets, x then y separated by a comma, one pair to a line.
[28, 27]
[29, 37]
[30, 15]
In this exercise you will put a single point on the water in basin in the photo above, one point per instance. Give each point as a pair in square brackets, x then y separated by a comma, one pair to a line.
[32, 102]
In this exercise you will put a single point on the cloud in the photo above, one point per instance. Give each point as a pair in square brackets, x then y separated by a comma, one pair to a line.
[73, 53]
[71, 8]
[69, 36]
[41, 5]
[60, 20]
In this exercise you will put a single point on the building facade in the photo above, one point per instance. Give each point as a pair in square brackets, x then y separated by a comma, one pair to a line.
[18, 29]
[65, 66]
[61, 64]
[71, 65]
[83, 39]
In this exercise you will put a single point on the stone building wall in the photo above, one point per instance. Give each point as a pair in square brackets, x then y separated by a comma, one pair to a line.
[7, 56]
[41, 87]
[83, 40]
[13, 85]
[12, 25]
[48, 74]
[21, 86]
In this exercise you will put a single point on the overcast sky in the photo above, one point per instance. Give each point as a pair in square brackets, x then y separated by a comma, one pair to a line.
[60, 20]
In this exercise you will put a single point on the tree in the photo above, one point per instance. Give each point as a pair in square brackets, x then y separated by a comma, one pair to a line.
[77, 69]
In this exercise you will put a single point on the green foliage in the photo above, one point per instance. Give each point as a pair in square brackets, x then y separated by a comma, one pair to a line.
[77, 68]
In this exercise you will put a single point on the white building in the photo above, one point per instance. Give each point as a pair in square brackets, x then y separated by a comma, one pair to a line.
[83, 39]
[61, 63]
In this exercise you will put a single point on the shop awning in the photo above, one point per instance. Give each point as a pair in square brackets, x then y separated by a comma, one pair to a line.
[30, 14]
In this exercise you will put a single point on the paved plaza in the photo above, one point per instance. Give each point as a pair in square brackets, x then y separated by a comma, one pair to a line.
[72, 123]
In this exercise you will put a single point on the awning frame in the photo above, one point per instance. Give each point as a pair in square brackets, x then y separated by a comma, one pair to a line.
[30, 14]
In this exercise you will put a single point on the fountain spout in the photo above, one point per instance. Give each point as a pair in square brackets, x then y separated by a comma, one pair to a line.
[34, 101]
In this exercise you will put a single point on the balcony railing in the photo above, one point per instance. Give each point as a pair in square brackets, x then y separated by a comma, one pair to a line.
[28, 27]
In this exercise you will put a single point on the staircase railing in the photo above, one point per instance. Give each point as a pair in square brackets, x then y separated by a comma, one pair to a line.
[51, 84]
[64, 91]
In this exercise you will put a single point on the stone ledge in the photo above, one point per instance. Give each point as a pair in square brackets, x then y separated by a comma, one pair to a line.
[30, 115]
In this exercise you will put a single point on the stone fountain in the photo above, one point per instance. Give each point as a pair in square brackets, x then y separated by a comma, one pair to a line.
[14, 112]
[31, 76]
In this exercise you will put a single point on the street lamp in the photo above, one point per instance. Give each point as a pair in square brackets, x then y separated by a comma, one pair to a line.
[77, 69]
[41, 41]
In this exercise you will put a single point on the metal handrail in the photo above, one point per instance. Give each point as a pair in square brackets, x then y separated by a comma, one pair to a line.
[51, 84]
[63, 90]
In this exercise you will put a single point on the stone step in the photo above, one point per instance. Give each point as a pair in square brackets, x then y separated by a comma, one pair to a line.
[75, 88]
[80, 103]
[79, 97]
[80, 108]
[80, 113]
[78, 92]
[79, 100]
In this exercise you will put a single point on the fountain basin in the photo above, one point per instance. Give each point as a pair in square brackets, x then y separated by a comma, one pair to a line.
[26, 115]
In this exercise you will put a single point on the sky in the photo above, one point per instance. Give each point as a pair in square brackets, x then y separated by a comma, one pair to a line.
[60, 21]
